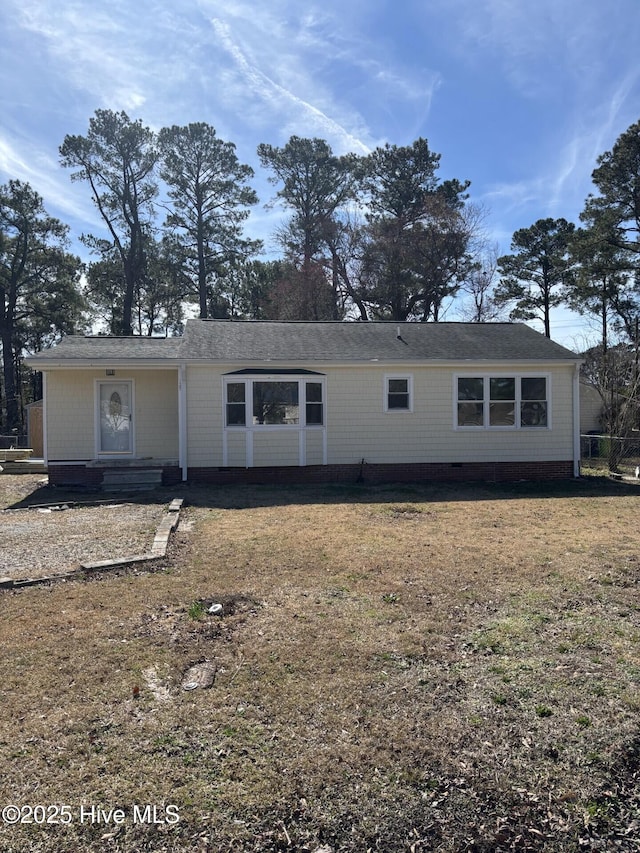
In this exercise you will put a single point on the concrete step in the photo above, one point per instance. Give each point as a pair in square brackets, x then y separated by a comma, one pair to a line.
[131, 479]
[23, 466]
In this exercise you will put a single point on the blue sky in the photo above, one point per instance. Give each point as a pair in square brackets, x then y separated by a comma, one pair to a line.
[518, 97]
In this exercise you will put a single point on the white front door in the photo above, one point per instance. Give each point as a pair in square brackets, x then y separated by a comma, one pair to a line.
[115, 425]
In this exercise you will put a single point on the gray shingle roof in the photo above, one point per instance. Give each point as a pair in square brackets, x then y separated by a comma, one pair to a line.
[251, 342]
[297, 342]
[81, 347]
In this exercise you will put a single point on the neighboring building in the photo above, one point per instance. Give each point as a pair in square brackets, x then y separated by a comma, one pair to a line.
[35, 433]
[300, 402]
[591, 409]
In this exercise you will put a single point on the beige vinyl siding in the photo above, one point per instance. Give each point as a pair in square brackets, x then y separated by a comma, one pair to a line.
[72, 412]
[156, 413]
[276, 447]
[357, 425]
[314, 446]
[237, 448]
[204, 416]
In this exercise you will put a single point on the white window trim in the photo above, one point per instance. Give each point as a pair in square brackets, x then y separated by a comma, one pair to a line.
[385, 400]
[501, 375]
[248, 380]
[113, 454]
[250, 429]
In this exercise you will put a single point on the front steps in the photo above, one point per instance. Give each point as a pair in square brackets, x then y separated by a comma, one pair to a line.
[23, 466]
[131, 479]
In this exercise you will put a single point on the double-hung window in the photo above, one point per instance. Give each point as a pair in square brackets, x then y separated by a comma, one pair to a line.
[515, 402]
[398, 393]
[236, 404]
[314, 406]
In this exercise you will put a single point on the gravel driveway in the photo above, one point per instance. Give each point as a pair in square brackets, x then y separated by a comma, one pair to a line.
[35, 542]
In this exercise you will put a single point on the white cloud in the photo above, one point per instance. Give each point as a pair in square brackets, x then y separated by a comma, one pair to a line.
[295, 110]
[61, 198]
[91, 50]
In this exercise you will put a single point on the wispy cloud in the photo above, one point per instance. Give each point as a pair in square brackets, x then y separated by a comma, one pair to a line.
[295, 110]
[321, 72]
[93, 51]
[31, 165]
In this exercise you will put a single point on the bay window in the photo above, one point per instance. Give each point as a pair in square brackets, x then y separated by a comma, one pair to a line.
[257, 402]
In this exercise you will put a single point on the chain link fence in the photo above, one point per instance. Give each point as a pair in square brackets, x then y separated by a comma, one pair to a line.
[611, 454]
[14, 440]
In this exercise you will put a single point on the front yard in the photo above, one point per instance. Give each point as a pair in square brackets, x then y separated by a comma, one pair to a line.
[396, 669]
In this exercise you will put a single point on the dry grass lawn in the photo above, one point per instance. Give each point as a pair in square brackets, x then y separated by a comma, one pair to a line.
[397, 669]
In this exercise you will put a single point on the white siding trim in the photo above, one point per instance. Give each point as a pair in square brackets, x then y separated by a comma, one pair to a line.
[576, 421]
[182, 421]
[249, 449]
[45, 432]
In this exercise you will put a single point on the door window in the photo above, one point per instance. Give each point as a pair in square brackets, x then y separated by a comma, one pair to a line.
[115, 417]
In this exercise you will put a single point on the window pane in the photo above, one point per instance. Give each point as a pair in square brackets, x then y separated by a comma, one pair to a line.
[470, 388]
[470, 414]
[533, 414]
[314, 408]
[314, 392]
[314, 413]
[502, 414]
[534, 388]
[275, 403]
[398, 386]
[398, 401]
[235, 392]
[502, 388]
[236, 414]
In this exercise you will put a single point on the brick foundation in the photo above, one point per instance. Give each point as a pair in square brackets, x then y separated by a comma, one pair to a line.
[74, 475]
[492, 472]
[90, 477]
[426, 472]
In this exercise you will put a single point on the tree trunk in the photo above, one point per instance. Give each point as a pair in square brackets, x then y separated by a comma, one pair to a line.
[9, 375]
[127, 305]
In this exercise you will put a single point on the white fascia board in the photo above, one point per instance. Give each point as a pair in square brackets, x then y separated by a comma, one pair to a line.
[104, 364]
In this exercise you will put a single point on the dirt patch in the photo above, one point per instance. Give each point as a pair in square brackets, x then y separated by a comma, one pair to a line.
[45, 532]
[436, 669]
[16, 488]
[46, 542]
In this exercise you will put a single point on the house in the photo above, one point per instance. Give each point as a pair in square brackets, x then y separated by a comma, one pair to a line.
[591, 409]
[252, 401]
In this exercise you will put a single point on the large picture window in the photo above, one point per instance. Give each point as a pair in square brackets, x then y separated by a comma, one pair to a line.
[273, 402]
[515, 402]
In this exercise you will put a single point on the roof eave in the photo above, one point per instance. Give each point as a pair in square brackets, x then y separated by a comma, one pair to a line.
[101, 363]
